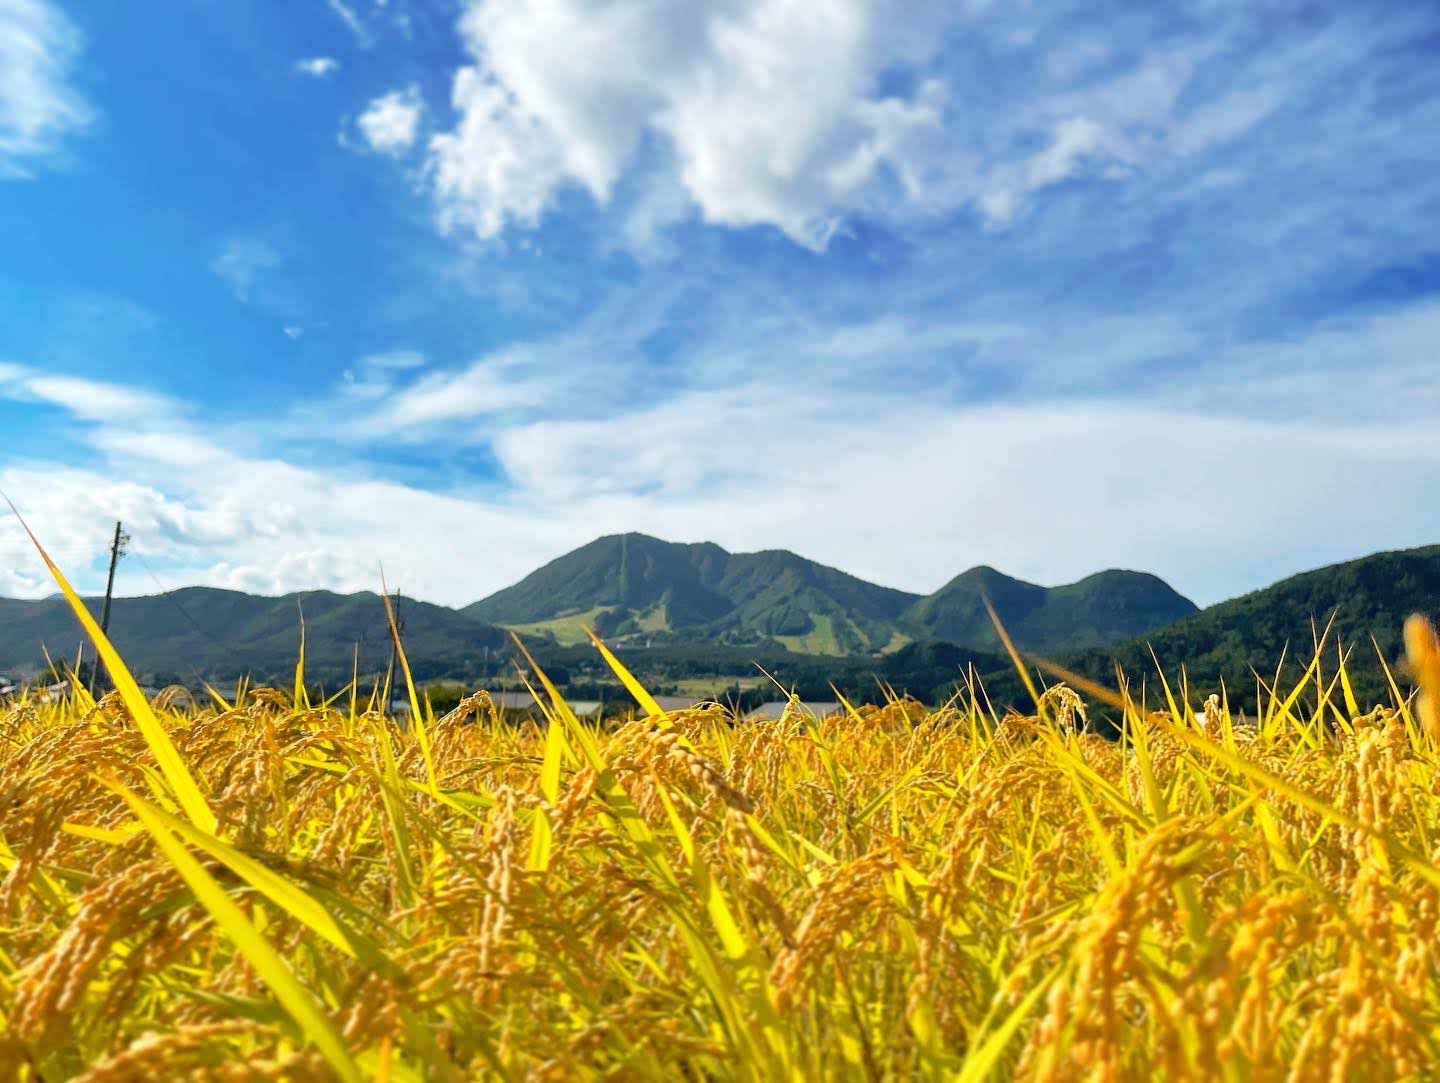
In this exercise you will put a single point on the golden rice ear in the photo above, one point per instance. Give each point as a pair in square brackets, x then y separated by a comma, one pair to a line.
[1422, 649]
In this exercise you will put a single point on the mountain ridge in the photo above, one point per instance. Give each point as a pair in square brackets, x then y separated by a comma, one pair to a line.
[753, 607]
[1369, 598]
[635, 585]
[175, 636]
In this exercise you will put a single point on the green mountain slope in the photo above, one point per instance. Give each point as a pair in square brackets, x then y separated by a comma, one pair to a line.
[637, 587]
[632, 586]
[930, 670]
[1369, 599]
[1099, 609]
[204, 633]
[806, 606]
[678, 612]
[626, 575]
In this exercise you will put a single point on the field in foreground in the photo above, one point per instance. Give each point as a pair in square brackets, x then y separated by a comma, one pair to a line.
[266, 889]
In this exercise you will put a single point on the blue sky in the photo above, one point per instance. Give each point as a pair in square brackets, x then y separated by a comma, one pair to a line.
[300, 288]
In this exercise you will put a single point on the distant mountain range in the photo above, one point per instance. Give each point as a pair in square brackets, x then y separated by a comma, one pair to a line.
[1369, 599]
[685, 611]
[635, 587]
[203, 633]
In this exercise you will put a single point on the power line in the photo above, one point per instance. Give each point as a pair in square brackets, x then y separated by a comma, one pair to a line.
[173, 601]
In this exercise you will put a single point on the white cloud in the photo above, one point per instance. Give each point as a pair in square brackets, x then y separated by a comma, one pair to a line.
[39, 105]
[769, 109]
[804, 116]
[823, 465]
[306, 569]
[374, 376]
[486, 387]
[1225, 119]
[391, 122]
[88, 400]
[241, 262]
[1075, 143]
[1075, 139]
[498, 166]
[318, 66]
[1051, 493]
[353, 22]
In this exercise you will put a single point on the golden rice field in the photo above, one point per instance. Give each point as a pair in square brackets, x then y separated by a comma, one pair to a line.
[271, 889]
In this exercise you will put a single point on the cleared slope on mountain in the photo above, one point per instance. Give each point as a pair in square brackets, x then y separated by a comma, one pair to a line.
[807, 606]
[201, 632]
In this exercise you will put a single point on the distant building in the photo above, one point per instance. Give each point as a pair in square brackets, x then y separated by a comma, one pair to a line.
[676, 703]
[51, 693]
[524, 703]
[775, 708]
[517, 705]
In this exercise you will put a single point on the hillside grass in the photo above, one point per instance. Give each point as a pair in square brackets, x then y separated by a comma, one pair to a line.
[273, 888]
[821, 639]
[568, 631]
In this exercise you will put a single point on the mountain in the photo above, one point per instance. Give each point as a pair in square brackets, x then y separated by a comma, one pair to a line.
[682, 613]
[1099, 609]
[204, 633]
[638, 587]
[632, 586]
[930, 670]
[1369, 599]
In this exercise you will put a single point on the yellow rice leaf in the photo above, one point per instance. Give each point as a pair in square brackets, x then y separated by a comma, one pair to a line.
[550, 766]
[300, 697]
[172, 765]
[299, 1003]
[540, 839]
[634, 687]
[677, 825]
[100, 834]
[1009, 644]
[284, 893]
[1351, 704]
[417, 720]
[986, 1056]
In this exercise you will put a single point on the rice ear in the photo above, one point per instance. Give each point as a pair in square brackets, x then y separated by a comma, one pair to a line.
[1422, 650]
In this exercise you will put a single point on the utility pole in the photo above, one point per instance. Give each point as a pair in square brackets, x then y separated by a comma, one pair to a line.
[390, 670]
[117, 550]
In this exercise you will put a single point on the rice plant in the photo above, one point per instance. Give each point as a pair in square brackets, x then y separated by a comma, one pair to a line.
[270, 888]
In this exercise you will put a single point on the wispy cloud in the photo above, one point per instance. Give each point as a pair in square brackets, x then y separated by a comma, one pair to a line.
[241, 262]
[346, 13]
[404, 400]
[752, 467]
[375, 374]
[39, 103]
[86, 399]
[318, 67]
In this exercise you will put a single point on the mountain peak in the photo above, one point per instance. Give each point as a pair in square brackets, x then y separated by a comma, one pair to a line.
[982, 574]
[1101, 608]
[640, 586]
